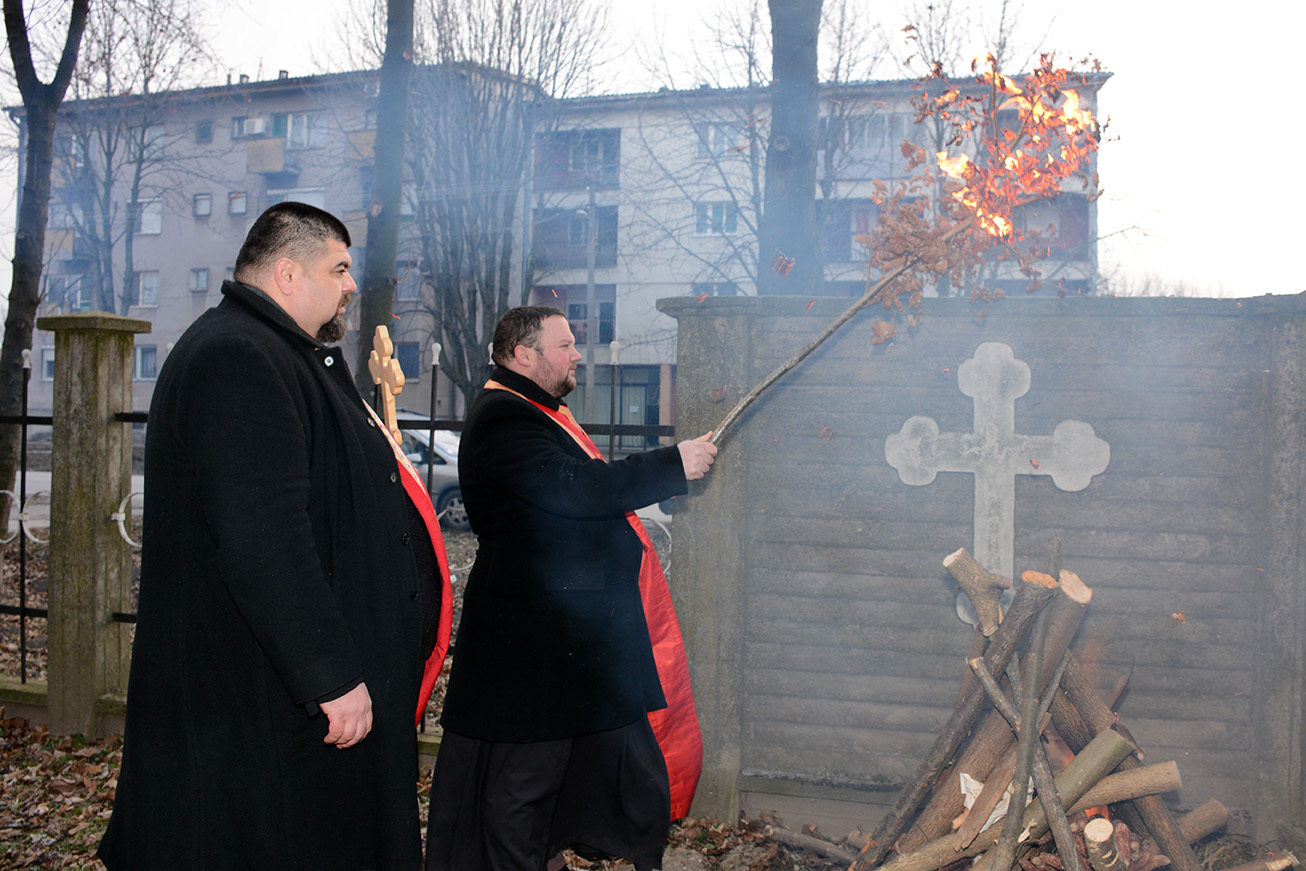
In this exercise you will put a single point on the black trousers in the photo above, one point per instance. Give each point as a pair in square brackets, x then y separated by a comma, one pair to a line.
[513, 807]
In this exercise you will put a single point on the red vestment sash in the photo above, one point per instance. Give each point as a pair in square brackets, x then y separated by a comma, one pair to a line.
[676, 725]
[416, 491]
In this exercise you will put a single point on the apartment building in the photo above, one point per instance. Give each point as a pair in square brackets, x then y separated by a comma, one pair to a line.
[627, 199]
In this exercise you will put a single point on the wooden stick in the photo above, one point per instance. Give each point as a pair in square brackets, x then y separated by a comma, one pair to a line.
[1161, 777]
[1030, 724]
[791, 838]
[1288, 860]
[1100, 841]
[874, 294]
[1101, 755]
[1002, 857]
[1030, 597]
[981, 586]
[1087, 712]
[992, 739]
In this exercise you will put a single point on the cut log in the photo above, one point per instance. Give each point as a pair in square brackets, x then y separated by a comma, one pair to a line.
[992, 739]
[1100, 841]
[1202, 821]
[982, 587]
[1129, 785]
[1030, 597]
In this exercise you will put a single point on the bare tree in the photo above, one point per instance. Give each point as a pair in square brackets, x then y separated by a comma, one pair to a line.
[113, 148]
[40, 105]
[494, 71]
[383, 218]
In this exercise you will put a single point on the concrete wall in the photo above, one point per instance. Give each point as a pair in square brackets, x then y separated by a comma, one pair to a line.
[824, 641]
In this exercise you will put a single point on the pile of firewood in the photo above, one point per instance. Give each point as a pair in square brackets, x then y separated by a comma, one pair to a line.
[1101, 811]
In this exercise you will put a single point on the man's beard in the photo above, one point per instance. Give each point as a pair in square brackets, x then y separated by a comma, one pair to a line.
[564, 385]
[333, 330]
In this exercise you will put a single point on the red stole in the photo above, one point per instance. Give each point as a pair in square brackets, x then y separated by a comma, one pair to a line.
[676, 725]
[416, 491]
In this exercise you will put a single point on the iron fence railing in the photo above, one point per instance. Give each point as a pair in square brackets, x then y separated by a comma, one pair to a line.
[601, 432]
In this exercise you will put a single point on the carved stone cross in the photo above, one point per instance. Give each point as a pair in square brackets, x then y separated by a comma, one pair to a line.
[995, 453]
[386, 374]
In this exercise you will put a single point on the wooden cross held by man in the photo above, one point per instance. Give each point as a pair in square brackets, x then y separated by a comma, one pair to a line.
[387, 376]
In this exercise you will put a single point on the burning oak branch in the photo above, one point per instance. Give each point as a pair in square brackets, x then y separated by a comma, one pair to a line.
[1029, 139]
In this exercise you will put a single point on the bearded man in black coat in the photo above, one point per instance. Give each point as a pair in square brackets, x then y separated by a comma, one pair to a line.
[564, 651]
[291, 590]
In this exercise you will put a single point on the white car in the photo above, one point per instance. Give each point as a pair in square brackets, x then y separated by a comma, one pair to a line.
[442, 456]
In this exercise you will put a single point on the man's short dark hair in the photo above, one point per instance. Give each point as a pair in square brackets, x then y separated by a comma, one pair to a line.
[520, 326]
[289, 229]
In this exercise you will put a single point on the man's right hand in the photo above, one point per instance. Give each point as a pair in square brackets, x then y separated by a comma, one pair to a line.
[697, 456]
[349, 718]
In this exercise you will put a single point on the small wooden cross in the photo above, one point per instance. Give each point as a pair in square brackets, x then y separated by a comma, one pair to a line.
[387, 375]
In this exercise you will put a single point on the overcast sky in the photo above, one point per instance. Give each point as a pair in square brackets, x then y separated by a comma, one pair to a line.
[1203, 108]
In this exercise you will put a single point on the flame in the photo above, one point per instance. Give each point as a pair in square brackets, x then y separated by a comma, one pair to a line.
[1052, 139]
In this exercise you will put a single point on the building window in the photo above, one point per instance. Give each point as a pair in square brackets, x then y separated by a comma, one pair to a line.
[202, 205]
[716, 139]
[576, 159]
[237, 203]
[300, 129]
[229, 273]
[716, 219]
[199, 280]
[573, 299]
[578, 318]
[409, 355]
[146, 363]
[47, 363]
[562, 238]
[204, 131]
[409, 284]
[147, 141]
[149, 218]
[71, 149]
[147, 288]
[243, 126]
[61, 216]
[578, 231]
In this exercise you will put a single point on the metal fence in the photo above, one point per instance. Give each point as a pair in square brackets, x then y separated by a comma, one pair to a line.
[25, 533]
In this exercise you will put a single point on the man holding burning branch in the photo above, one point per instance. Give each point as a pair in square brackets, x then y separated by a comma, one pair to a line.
[568, 718]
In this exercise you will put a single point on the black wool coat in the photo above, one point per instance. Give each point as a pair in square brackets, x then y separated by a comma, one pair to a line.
[276, 571]
[553, 642]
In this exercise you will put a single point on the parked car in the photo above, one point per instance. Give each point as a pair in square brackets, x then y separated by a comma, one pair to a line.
[442, 455]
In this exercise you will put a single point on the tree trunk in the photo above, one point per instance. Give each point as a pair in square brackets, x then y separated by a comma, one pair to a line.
[789, 240]
[378, 287]
[40, 104]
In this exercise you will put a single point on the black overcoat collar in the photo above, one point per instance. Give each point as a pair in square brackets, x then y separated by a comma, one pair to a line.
[258, 301]
[526, 387]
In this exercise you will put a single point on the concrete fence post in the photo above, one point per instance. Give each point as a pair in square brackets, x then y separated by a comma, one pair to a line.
[90, 564]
